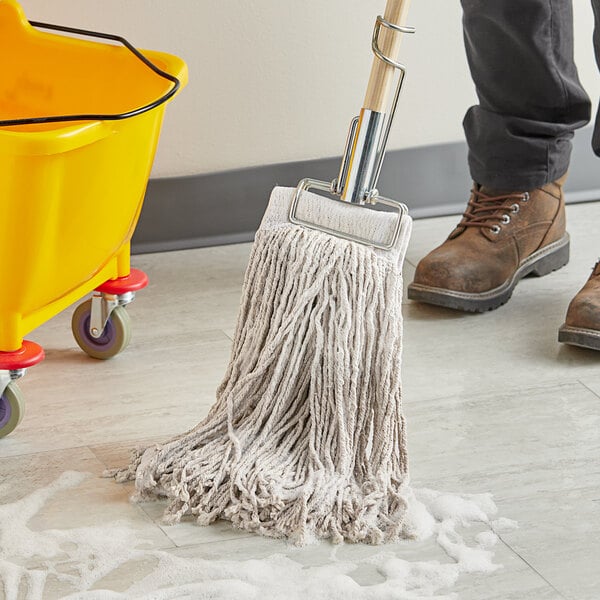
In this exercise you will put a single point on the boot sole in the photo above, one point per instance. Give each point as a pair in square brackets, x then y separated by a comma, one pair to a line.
[576, 336]
[542, 262]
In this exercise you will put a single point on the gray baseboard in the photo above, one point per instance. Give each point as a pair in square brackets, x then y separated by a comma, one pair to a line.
[226, 207]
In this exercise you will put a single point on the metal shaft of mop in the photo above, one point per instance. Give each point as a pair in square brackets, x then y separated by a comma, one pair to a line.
[363, 155]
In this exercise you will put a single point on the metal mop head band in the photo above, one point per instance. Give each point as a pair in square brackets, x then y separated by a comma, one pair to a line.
[306, 438]
[363, 157]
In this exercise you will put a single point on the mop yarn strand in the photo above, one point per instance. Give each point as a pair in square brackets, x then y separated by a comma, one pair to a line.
[306, 438]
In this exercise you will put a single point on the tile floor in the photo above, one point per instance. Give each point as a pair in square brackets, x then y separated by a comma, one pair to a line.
[493, 403]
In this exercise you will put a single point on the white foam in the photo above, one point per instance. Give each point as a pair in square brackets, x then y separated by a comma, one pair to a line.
[80, 558]
[486, 539]
[419, 522]
[463, 508]
[503, 524]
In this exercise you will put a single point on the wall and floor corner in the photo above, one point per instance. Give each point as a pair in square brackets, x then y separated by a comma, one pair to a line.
[273, 86]
[226, 207]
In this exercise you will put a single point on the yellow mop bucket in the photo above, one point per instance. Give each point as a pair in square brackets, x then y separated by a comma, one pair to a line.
[79, 126]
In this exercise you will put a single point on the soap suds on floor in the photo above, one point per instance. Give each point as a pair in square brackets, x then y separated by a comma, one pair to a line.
[79, 559]
[503, 524]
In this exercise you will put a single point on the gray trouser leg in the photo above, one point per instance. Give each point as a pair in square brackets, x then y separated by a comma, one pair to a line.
[596, 136]
[520, 53]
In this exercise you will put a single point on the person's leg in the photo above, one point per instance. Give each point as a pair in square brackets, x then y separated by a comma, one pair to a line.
[596, 136]
[530, 98]
[582, 323]
[530, 101]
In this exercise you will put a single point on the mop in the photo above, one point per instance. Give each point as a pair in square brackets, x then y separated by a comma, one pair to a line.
[306, 438]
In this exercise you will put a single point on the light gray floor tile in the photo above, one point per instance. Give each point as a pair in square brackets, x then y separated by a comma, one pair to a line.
[515, 581]
[183, 534]
[94, 501]
[447, 352]
[493, 403]
[150, 389]
[95, 504]
[533, 450]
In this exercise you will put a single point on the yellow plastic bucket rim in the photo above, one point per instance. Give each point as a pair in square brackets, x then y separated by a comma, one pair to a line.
[96, 117]
[91, 127]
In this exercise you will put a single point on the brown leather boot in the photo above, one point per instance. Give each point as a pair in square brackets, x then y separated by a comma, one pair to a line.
[503, 236]
[582, 325]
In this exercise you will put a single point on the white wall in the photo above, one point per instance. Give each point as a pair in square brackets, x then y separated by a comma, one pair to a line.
[278, 80]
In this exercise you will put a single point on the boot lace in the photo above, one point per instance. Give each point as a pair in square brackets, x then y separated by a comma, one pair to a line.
[491, 212]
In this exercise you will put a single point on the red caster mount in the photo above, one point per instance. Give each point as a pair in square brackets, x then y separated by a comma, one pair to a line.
[13, 365]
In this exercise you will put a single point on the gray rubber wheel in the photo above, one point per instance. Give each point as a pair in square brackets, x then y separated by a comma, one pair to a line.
[12, 409]
[114, 338]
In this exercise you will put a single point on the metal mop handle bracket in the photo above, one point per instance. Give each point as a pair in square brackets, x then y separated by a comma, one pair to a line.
[402, 72]
[363, 155]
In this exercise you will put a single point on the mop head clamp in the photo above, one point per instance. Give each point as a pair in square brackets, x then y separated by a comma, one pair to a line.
[363, 156]
[392, 235]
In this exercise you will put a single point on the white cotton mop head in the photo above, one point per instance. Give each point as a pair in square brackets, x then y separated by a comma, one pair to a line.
[307, 437]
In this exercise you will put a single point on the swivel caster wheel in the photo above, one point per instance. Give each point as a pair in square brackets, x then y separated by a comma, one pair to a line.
[113, 339]
[12, 409]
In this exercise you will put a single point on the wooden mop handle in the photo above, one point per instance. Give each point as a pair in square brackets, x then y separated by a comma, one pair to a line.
[382, 75]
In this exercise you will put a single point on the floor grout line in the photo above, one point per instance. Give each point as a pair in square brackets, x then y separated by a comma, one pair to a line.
[190, 545]
[532, 567]
[208, 542]
[131, 443]
[157, 526]
[587, 387]
[48, 451]
[547, 384]
[229, 337]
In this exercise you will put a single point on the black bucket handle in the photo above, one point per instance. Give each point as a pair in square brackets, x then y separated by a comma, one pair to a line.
[100, 117]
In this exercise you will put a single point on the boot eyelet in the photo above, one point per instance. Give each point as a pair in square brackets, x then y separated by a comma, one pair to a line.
[505, 219]
[526, 197]
[495, 229]
[515, 208]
